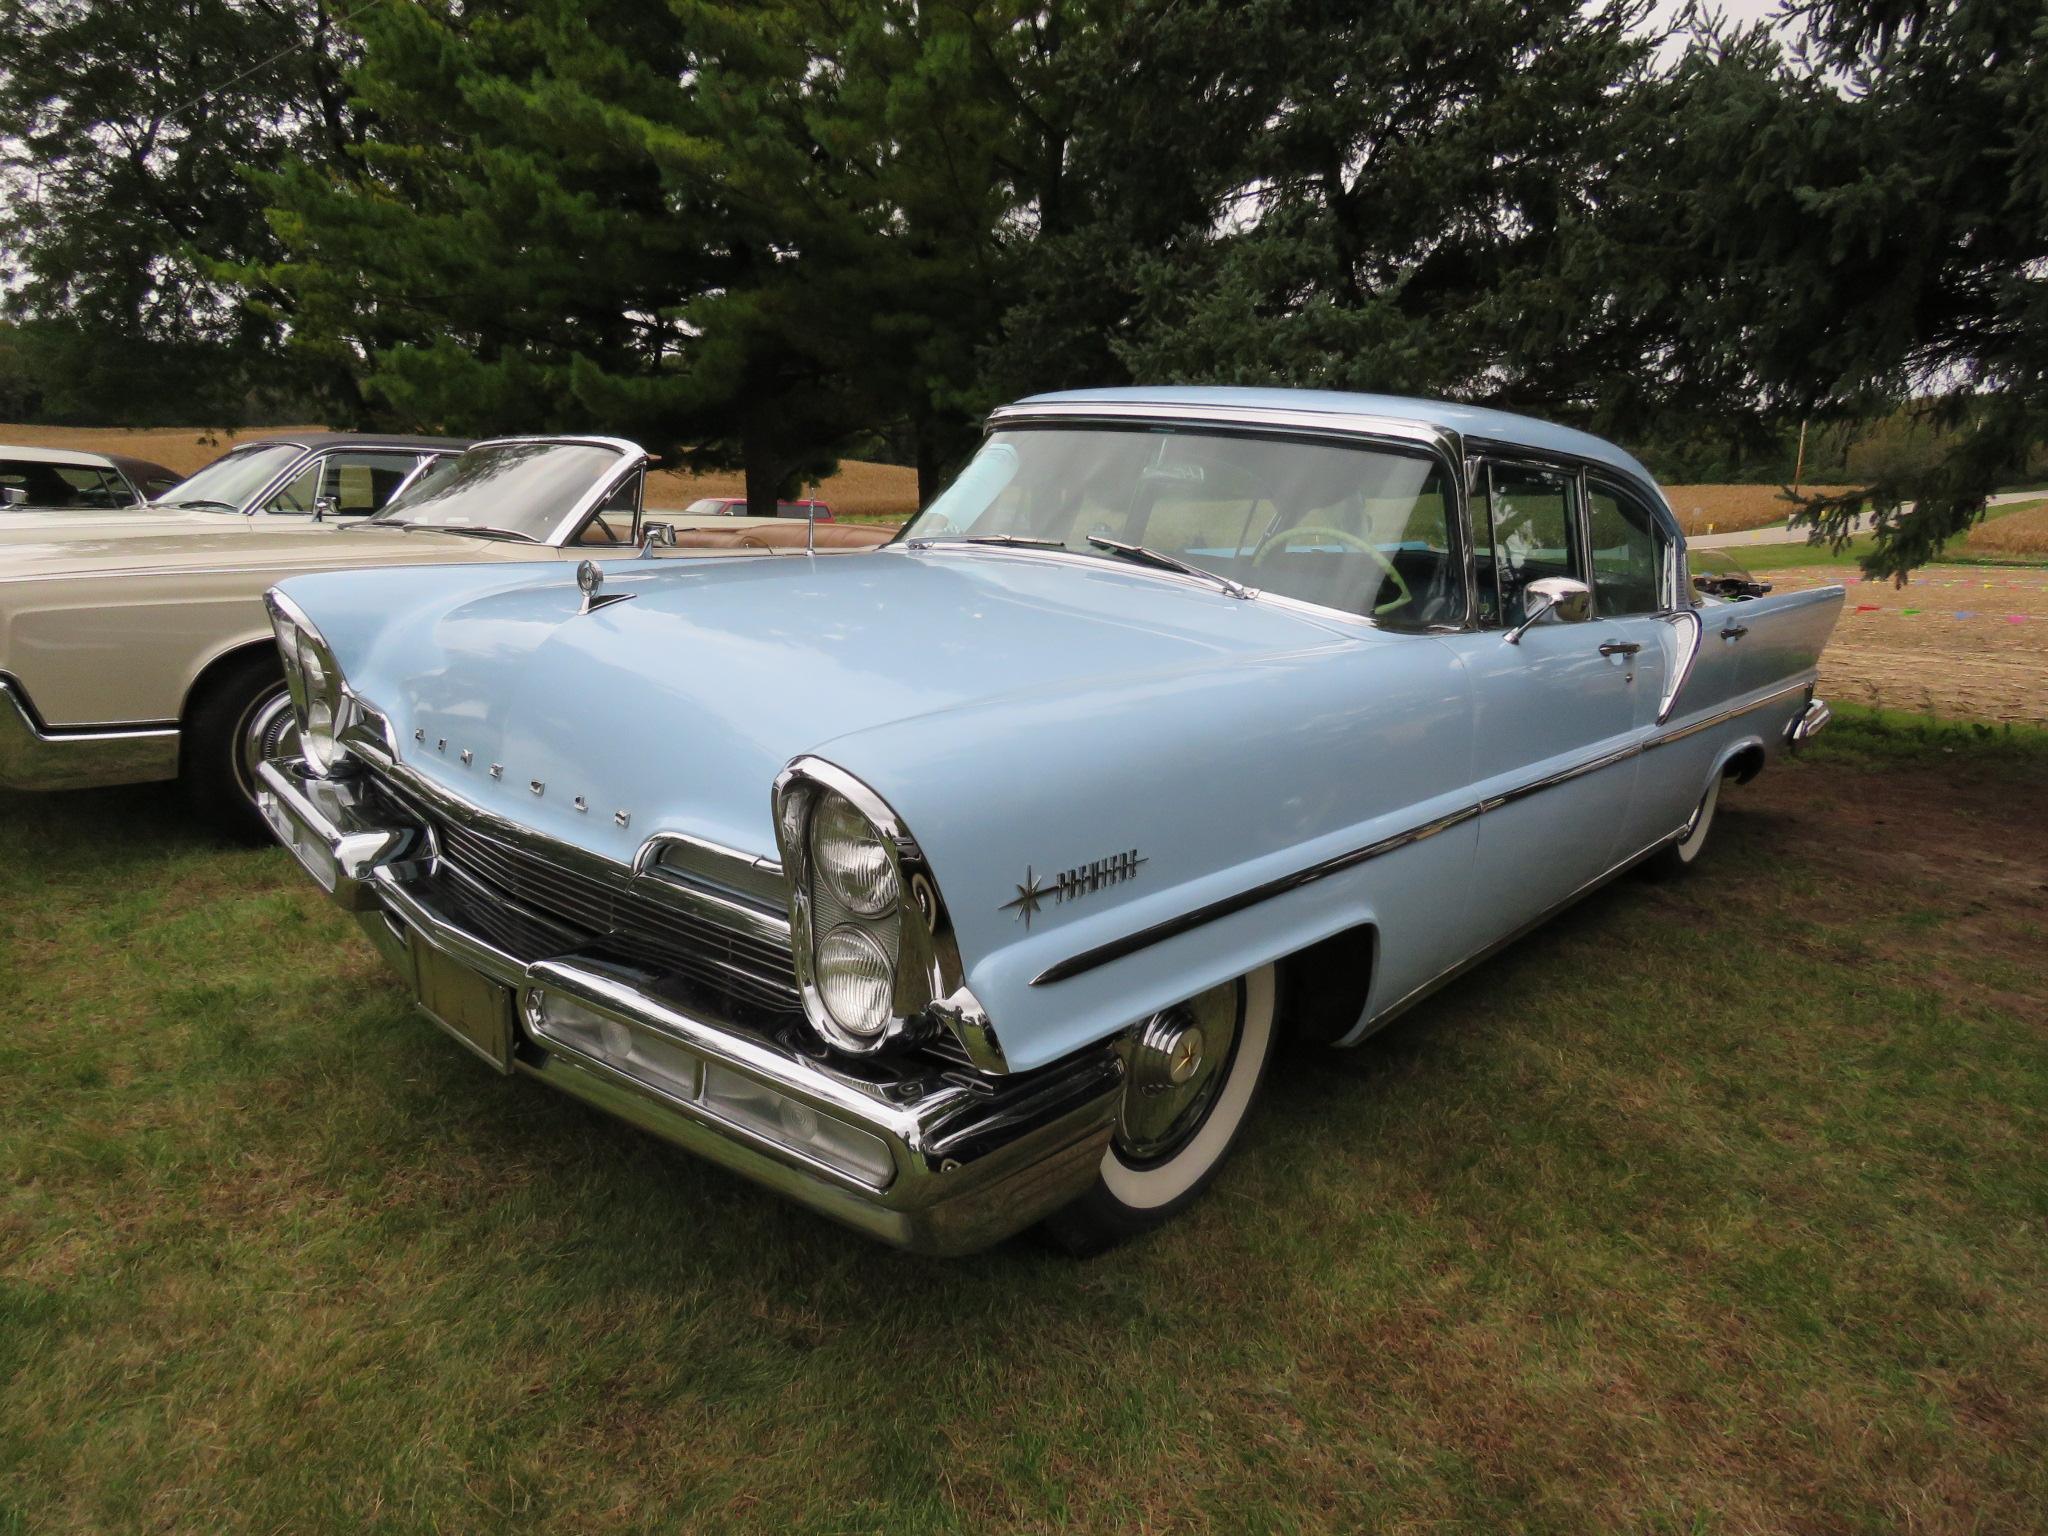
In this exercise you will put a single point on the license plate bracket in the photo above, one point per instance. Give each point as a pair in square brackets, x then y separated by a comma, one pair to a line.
[469, 1006]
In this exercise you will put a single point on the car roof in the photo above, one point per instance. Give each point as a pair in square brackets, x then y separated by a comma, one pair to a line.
[40, 455]
[352, 440]
[1470, 421]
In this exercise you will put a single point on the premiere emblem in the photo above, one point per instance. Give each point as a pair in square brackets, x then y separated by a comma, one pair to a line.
[1072, 884]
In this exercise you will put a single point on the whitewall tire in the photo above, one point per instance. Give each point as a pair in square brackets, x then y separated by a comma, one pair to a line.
[1193, 1075]
[1683, 851]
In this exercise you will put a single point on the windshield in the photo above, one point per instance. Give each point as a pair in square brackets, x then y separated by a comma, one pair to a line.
[229, 481]
[1363, 529]
[521, 490]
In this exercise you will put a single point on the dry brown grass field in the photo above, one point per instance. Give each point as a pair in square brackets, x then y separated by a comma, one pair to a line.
[1731, 508]
[858, 490]
[2024, 532]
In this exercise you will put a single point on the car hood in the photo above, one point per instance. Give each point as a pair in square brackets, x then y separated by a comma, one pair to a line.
[1021, 712]
[680, 704]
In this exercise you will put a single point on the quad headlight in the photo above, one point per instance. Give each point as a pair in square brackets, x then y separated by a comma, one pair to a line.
[852, 861]
[865, 919]
[319, 699]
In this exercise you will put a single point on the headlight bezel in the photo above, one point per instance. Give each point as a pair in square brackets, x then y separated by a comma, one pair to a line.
[926, 987]
[321, 702]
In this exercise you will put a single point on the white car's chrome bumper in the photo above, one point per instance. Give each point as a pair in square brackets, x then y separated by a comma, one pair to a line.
[32, 756]
[938, 1161]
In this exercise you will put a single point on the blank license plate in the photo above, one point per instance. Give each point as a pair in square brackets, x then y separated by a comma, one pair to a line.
[472, 1008]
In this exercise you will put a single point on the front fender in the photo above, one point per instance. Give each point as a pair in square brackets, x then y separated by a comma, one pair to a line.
[1106, 854]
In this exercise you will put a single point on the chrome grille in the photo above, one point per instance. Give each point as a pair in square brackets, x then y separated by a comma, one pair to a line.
[630, 918]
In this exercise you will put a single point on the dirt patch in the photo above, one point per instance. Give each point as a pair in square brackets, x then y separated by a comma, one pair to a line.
[1959, 641]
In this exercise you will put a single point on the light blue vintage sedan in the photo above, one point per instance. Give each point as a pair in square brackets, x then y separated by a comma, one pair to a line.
[965, 884]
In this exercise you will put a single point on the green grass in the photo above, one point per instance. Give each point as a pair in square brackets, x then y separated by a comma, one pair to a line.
[1712, 1207]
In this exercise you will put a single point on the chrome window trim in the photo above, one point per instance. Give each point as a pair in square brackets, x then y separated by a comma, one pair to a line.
[1665, 525]
[1689, 652]
[632, 455]
[1116, 949]
[1437, 443]
[277, 481]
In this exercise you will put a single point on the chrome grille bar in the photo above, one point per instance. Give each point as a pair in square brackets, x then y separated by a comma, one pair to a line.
[655, 924]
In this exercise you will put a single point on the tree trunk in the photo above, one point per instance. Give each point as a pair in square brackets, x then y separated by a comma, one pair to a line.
[763, 467]
[931, 456]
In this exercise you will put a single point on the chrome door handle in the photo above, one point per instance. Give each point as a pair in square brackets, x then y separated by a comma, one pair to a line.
[1734, 631]
[1619, 647]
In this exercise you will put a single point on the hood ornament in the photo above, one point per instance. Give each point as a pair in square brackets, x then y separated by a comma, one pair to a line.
[589, 579]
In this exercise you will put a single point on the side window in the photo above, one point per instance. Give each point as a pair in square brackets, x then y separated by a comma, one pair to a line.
[1628, 553]
[298, 492]
[614, 522]
[361, 483]
[1527, 523]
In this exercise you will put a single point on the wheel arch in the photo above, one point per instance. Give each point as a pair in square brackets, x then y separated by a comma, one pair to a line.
[1326, 986]
[223, 663]
[1742, 760]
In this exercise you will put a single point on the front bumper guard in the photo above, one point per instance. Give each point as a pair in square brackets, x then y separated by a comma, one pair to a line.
[938, 1161]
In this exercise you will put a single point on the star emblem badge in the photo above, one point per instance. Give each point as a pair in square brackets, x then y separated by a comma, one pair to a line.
[1029, 895]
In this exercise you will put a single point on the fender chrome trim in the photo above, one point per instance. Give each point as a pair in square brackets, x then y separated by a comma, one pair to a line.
[34, 756]
[1144, 938]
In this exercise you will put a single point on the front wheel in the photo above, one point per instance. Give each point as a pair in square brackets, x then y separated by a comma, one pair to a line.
[243, 719]
[1192, 1075]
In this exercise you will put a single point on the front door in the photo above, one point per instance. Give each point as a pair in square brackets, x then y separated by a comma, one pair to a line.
[1557, 712]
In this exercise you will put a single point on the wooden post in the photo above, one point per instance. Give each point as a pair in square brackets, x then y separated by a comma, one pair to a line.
[1799, 464]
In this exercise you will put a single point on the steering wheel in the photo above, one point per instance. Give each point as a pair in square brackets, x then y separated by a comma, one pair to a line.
[597, 521]
[1349, 540]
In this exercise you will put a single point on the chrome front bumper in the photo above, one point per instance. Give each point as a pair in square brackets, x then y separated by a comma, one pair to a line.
[939, 1161]
[33, 757]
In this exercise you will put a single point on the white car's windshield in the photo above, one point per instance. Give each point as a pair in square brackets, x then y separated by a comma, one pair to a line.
[1361, 529]
[504, 490]
[228, 482]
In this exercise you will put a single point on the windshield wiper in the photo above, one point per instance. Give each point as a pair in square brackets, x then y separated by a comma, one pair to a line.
[1000, 540]
[1153, 557]
[475, 530]
[225, 506]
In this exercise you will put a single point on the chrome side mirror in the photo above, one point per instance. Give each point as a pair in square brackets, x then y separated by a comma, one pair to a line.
[1567, 600]
[13, 496]
[658, 536]
[325, 507]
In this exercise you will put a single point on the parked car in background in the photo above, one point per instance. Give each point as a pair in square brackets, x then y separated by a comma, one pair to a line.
[964, 884]
[68, 479]
[132, 652]
[736, 506]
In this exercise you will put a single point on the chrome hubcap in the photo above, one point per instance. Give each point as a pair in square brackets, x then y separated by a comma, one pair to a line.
[268, 731]
[1177, 1064]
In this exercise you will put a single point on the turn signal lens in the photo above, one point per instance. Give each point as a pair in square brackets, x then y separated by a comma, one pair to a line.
[850, 857]
[856, 981]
